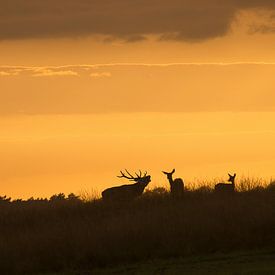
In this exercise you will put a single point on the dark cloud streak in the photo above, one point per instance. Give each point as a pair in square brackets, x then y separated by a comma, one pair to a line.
[129, 20]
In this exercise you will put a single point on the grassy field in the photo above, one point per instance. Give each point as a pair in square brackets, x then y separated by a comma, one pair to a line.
[262, 262]
[66, 233]
[246, 263]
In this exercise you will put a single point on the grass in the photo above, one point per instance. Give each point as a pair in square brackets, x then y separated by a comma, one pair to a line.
[260, 262]
[67, 234]
[220, 264]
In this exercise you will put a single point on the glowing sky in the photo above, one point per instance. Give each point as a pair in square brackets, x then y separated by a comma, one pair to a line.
[89, 88]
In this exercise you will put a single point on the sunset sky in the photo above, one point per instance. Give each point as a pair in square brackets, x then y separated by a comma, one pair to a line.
[88, 88]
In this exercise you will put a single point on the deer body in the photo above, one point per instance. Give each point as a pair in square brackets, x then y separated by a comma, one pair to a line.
[226, 187]
[176, 185]
[127, 191]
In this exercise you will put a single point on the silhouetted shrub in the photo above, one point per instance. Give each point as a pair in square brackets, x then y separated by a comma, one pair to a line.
[158, 191]
[73, 197]
[58, 197]
[271, 186]
[5, 199]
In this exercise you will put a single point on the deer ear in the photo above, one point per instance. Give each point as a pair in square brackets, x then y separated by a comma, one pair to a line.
[173, 170]
[164, 172]
[229, 175]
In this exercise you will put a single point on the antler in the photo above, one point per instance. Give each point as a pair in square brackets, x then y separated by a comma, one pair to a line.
[127, 177]
[131, 177]
[140, 174]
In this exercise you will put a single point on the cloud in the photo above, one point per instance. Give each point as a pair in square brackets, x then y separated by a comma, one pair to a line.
[262, 28]
[4, 74]
[47, 72]
[8, 73]
[100, 75]
[129, 20]
[139, 87]
[84, 69]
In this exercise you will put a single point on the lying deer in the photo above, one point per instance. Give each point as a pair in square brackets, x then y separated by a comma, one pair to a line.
[176, 185]
[127, 191]
[226, 187]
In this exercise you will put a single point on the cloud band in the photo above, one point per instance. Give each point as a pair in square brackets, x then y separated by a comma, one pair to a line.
[130, 20]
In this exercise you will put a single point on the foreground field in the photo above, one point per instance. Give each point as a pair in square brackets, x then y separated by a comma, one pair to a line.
[222, 264]
[67, 234]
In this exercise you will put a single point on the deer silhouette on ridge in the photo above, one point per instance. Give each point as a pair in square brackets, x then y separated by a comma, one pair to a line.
[176, 185]
[226, 187]
[127, 191]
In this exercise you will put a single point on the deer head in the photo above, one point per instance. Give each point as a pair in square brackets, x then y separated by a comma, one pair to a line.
[232, 178]
[169, 174]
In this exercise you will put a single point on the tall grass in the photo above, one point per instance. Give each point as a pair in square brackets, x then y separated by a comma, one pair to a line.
[67, 233]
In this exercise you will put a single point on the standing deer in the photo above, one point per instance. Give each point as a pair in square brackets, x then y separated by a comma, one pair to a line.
[176, 185]
[226, 187]
[127, 191]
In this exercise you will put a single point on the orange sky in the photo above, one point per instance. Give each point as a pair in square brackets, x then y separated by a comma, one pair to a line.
[75, 109]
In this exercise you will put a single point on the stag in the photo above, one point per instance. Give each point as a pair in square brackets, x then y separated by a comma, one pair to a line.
[127, 191]
[176, 185]
[226, 187]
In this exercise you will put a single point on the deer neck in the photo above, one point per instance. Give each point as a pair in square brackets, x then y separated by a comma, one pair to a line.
[170, 179]
[233, 183]
[140, 187]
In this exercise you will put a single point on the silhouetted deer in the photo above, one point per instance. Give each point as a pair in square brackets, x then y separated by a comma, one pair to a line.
[226, 187]
[176, 185]
[127, 191]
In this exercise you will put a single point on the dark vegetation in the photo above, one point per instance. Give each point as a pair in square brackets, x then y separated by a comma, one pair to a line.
[67, 233]
[245, 263]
